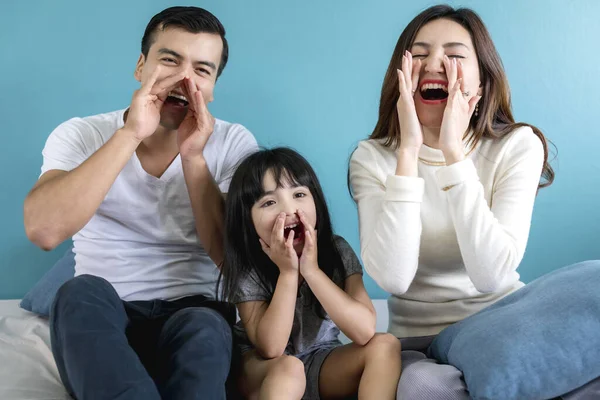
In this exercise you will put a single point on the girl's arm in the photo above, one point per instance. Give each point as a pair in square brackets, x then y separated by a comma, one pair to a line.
[350, 309]
[389, 211]
[269, 325]
[492, 238]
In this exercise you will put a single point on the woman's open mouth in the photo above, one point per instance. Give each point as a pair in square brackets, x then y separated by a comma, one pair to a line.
[433, 92]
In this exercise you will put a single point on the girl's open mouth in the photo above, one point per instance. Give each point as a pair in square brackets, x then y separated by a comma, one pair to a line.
[298, 229]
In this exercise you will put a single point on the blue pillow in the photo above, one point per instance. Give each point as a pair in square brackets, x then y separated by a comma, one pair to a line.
[537, 343]
[40, 297]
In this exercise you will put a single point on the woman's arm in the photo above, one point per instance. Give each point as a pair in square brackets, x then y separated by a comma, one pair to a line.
[269, 325]
[389, 211]
[492, 238]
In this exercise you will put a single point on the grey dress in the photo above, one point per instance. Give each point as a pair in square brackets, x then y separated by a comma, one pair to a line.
[312, 337]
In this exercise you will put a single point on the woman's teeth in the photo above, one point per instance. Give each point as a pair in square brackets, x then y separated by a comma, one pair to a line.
[428, 86]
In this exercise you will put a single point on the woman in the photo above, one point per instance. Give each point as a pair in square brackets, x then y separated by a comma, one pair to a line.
[445, 188]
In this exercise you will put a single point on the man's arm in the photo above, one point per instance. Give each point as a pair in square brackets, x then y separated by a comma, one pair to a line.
[62, 202]
[208, 206]
[207, 200]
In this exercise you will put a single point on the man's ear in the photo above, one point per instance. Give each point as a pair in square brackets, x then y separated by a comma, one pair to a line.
[137, 74]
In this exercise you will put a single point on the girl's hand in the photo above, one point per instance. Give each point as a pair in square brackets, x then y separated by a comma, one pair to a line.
[411, 133]
[309, 260]
[458, 112]
[281, 250]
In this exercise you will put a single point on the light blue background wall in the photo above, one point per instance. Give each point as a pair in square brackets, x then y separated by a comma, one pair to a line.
[306, 74]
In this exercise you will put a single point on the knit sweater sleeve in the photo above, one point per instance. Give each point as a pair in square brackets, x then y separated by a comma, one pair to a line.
[492, 237]
[389, 209]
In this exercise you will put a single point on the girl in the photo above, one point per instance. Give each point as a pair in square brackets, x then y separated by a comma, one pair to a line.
[294, 283]
[445, 188]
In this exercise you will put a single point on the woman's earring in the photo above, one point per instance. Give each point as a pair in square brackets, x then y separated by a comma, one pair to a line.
[477, 109]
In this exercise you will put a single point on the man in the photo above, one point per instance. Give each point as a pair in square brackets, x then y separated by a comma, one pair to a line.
[140, 191]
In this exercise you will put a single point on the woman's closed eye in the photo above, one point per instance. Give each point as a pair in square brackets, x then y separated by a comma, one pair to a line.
[449, 56]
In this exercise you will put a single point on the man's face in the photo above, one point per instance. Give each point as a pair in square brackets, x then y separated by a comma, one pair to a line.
[176, 50]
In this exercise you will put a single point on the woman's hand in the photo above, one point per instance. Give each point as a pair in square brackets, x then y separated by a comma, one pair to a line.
[457, 115]
[411, 133]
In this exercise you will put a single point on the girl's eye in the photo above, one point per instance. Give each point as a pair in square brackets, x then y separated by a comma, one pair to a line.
[456, 56]
[267, 203]
[419, 55]
[300, 194]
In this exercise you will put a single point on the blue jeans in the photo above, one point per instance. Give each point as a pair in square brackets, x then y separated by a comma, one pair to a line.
[106, 348]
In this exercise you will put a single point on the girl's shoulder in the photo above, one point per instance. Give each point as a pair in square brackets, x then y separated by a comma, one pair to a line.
[349, 258]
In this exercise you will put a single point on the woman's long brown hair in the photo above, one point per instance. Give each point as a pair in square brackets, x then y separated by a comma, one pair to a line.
[494, 119]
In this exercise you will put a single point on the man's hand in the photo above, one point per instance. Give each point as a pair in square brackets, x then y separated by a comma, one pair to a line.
[144, 113]
[198, 124]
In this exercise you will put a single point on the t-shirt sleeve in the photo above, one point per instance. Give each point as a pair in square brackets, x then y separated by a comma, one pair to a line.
[349, 259]
[241, 144]
[250, 289]
[68, 146]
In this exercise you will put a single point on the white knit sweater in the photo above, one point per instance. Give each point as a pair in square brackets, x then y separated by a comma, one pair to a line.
[446, 254]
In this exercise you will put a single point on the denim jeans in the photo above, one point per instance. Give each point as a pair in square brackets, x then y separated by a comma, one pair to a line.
[106, 348]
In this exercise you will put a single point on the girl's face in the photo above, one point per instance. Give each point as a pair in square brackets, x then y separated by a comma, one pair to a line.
[287, 199]
[435, 40]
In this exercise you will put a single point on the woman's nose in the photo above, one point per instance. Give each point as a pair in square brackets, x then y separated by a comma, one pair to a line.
[434, 64]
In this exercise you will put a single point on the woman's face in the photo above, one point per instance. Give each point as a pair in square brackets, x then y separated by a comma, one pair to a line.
[435, 41]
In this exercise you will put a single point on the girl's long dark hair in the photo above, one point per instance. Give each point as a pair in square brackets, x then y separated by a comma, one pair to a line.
[244, 257]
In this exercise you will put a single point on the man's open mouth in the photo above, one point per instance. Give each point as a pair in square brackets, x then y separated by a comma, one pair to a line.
[177, 99]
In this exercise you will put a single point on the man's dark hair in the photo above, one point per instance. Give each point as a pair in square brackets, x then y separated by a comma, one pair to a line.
[191, 19]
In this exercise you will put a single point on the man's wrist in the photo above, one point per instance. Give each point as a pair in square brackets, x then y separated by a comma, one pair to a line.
[128, 135]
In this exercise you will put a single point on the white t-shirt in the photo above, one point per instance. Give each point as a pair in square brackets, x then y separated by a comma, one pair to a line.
[447, 243]
[142, 239]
